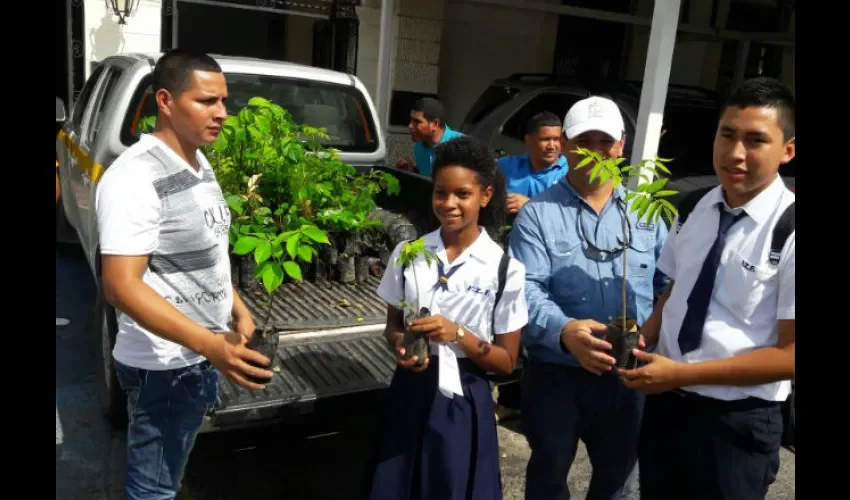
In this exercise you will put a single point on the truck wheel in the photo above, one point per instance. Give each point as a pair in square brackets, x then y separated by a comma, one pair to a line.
[113, 402]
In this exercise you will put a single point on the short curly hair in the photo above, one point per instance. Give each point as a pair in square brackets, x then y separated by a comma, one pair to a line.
[469, 152]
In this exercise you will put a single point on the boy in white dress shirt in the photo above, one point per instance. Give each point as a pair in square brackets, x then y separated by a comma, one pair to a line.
[725, 328]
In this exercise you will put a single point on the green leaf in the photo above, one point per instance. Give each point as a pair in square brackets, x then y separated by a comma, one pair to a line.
[651, 215]
[235, 203]
[292, 270]
[665, 193]
[656, 185]
[315, 234]
[277, 250]
[662, 168]
[630, 196]
[640, 203]
[284, 236]
[668, 215]
[263, 251]
[305, 252]
[272, 277]
[649, 169]
[393, 185]
[292, 245]
[245, 245]
[259, 102]
[261, 269]
[604, 176]
[594, 172]
[642, 210]
[584, 162]
[669, 207]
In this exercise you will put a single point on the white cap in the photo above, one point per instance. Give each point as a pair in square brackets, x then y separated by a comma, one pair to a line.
[594, 113]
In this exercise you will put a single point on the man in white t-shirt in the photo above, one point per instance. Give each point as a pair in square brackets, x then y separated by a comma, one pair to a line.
[725, 328]
[163, 226]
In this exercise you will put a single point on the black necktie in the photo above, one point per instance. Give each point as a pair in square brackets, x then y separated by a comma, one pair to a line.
[443, 282]
[690, 335]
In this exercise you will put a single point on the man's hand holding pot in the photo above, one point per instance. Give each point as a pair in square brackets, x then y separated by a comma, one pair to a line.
[577, 336]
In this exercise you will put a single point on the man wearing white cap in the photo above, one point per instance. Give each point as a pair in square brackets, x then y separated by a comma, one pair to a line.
[570, 240]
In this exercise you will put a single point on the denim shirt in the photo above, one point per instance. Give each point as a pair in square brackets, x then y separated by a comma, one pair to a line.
[567, 279]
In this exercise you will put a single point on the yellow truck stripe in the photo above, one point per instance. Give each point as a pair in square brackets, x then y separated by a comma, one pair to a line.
[90, 169]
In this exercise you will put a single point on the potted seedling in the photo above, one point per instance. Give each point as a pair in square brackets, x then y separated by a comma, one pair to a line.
[276, 255]
[648, 201]
[415, 344]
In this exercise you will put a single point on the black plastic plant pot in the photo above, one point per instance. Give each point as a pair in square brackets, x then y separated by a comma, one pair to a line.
[347, 271]
[322, 271]
[264, 341]
[234, 271]
[247, 270]
[622, 343]
[417, 344]
[361, 268]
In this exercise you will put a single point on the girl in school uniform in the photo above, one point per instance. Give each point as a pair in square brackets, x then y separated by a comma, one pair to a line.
[438, 440]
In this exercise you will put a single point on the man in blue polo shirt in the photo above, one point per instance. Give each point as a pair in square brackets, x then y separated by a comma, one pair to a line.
[526, 176]
[427, 130]
[541, 167]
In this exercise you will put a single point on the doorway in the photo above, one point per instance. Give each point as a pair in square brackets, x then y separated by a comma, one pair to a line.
[308, 33]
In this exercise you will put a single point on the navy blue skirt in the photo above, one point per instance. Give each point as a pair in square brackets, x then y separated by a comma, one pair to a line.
[435, 448]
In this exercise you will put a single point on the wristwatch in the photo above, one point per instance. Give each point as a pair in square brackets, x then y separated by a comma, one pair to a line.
[459, 334]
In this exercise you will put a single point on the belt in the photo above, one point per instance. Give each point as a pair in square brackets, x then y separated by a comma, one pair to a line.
[749, 403]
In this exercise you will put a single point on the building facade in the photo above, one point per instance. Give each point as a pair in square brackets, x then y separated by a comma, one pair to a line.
[451, 49]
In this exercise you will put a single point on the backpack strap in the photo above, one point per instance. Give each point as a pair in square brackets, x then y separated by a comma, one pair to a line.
[783, 229]
[686, 206]
[503, 278]
[403, 283]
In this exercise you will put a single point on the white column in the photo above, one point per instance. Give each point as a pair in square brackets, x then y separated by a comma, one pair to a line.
[385, 52]
[656, 76]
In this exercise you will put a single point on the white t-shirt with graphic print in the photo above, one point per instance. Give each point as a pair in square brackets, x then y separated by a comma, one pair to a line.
[151, 202]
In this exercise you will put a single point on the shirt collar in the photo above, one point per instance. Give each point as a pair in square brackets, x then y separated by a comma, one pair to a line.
[759, 208]
[525, 160]
[484, 249]
[446, 130]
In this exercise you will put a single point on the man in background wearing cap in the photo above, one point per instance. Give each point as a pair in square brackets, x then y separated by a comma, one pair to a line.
[570, 239]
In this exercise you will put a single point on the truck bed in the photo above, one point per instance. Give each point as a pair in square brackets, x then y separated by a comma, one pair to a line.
[331, 346]
[317, 306]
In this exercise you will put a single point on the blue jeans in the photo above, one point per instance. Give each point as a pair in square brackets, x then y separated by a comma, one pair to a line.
[561, 405]
[166, 409]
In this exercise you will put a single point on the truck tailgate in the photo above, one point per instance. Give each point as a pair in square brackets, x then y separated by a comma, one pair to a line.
[309, 369]
[318, 306]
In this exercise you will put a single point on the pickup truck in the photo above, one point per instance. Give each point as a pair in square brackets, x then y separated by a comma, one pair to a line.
[328, 355]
